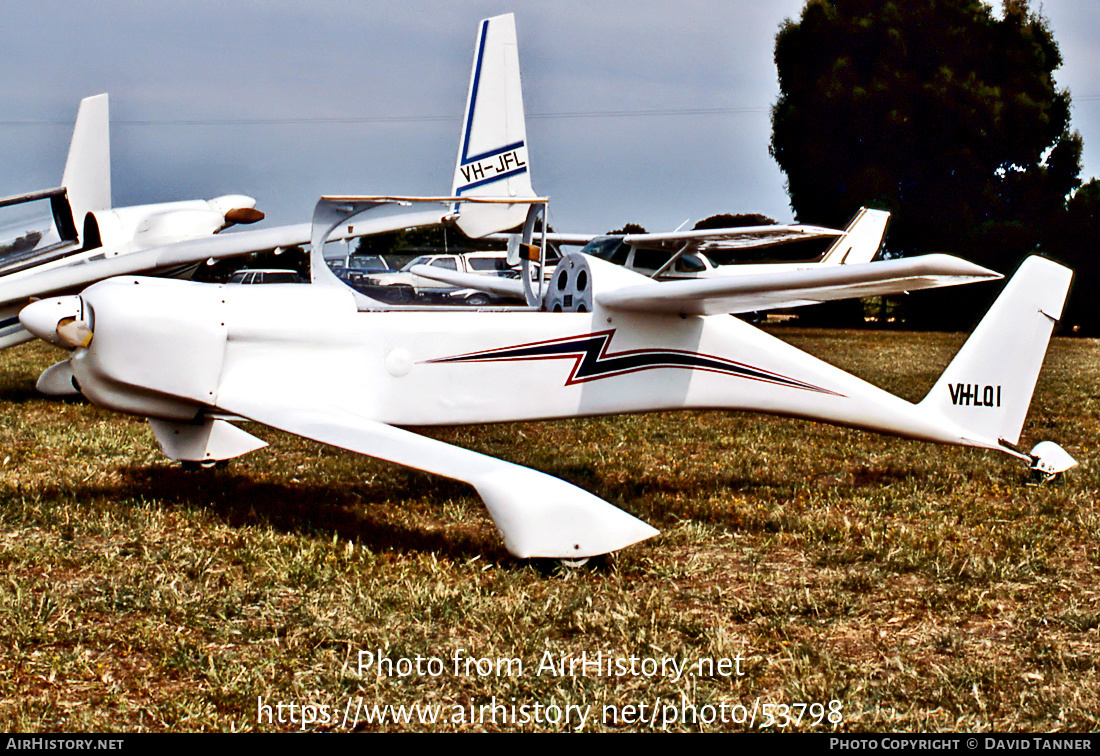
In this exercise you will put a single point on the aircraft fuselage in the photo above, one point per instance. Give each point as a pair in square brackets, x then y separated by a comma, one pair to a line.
[176, 350]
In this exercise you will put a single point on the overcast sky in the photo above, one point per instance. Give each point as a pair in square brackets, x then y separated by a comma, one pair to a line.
[263, 77]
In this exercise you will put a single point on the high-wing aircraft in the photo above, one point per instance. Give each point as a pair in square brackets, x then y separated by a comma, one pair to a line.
[170, 238]
[845, 272]
[330, 364]
[711, 253]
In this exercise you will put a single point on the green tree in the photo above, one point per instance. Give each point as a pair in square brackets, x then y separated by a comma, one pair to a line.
[942, 111]
[728, 220]
[629, 228]
[1075, 240]
[789, 252]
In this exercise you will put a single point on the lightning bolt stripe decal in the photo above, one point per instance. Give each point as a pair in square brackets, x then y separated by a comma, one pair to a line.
[591, 360]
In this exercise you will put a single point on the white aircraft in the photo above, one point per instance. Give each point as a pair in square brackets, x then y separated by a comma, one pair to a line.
[693, 254]
[665, 256]
[90, 239]
[174, 238]
[329, 364]
[671, 256]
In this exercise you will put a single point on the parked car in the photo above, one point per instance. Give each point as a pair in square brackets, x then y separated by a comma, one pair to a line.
[368, 264]
[418, 287]
[261, 276]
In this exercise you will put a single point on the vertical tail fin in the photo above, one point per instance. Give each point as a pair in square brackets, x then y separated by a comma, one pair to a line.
[987, 388]
[492, 150]
[861, 239]
[87, 175]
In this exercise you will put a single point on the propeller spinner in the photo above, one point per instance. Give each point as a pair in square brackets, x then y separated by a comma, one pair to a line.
[62, 321]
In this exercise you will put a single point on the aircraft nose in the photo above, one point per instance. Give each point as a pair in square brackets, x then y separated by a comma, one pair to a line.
[59, 320]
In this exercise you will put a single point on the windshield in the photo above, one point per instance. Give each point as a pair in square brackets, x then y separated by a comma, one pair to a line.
[610, 248]
[28, 235]
[691, 263]
[422, 260]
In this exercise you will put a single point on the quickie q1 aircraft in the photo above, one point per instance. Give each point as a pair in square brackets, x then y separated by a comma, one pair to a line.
[331, 364]
[326, 363]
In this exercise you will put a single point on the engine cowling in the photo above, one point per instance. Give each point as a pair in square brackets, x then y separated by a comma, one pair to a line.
[164, 223]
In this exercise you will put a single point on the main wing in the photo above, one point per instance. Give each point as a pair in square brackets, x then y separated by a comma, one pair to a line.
[859, 241]
[742, 237]
[796, 288]
[758, 291]
[39, 283]
[739, 237]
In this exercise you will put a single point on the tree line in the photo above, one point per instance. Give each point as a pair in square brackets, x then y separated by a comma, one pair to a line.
[947, 114]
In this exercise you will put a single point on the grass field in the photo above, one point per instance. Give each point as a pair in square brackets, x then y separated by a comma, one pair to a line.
[898, 586]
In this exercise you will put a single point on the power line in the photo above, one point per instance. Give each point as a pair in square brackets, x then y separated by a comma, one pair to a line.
[344, 120]
[320, 121]
[354, 120]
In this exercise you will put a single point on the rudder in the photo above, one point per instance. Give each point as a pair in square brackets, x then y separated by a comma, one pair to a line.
[861, 239]
[987, 388]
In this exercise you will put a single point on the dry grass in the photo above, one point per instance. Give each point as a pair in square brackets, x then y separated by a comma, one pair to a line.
[924, 588]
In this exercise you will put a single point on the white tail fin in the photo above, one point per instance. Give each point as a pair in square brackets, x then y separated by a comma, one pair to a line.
[87, 175]
[861, 239]
[492, 151]
[987, 388]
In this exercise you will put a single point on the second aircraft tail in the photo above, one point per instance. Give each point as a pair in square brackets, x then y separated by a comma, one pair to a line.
[492, 150]
[861, 239]
[87, 177]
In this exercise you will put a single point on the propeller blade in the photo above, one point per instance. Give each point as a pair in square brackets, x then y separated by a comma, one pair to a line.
[74, 333]
[243, 215]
